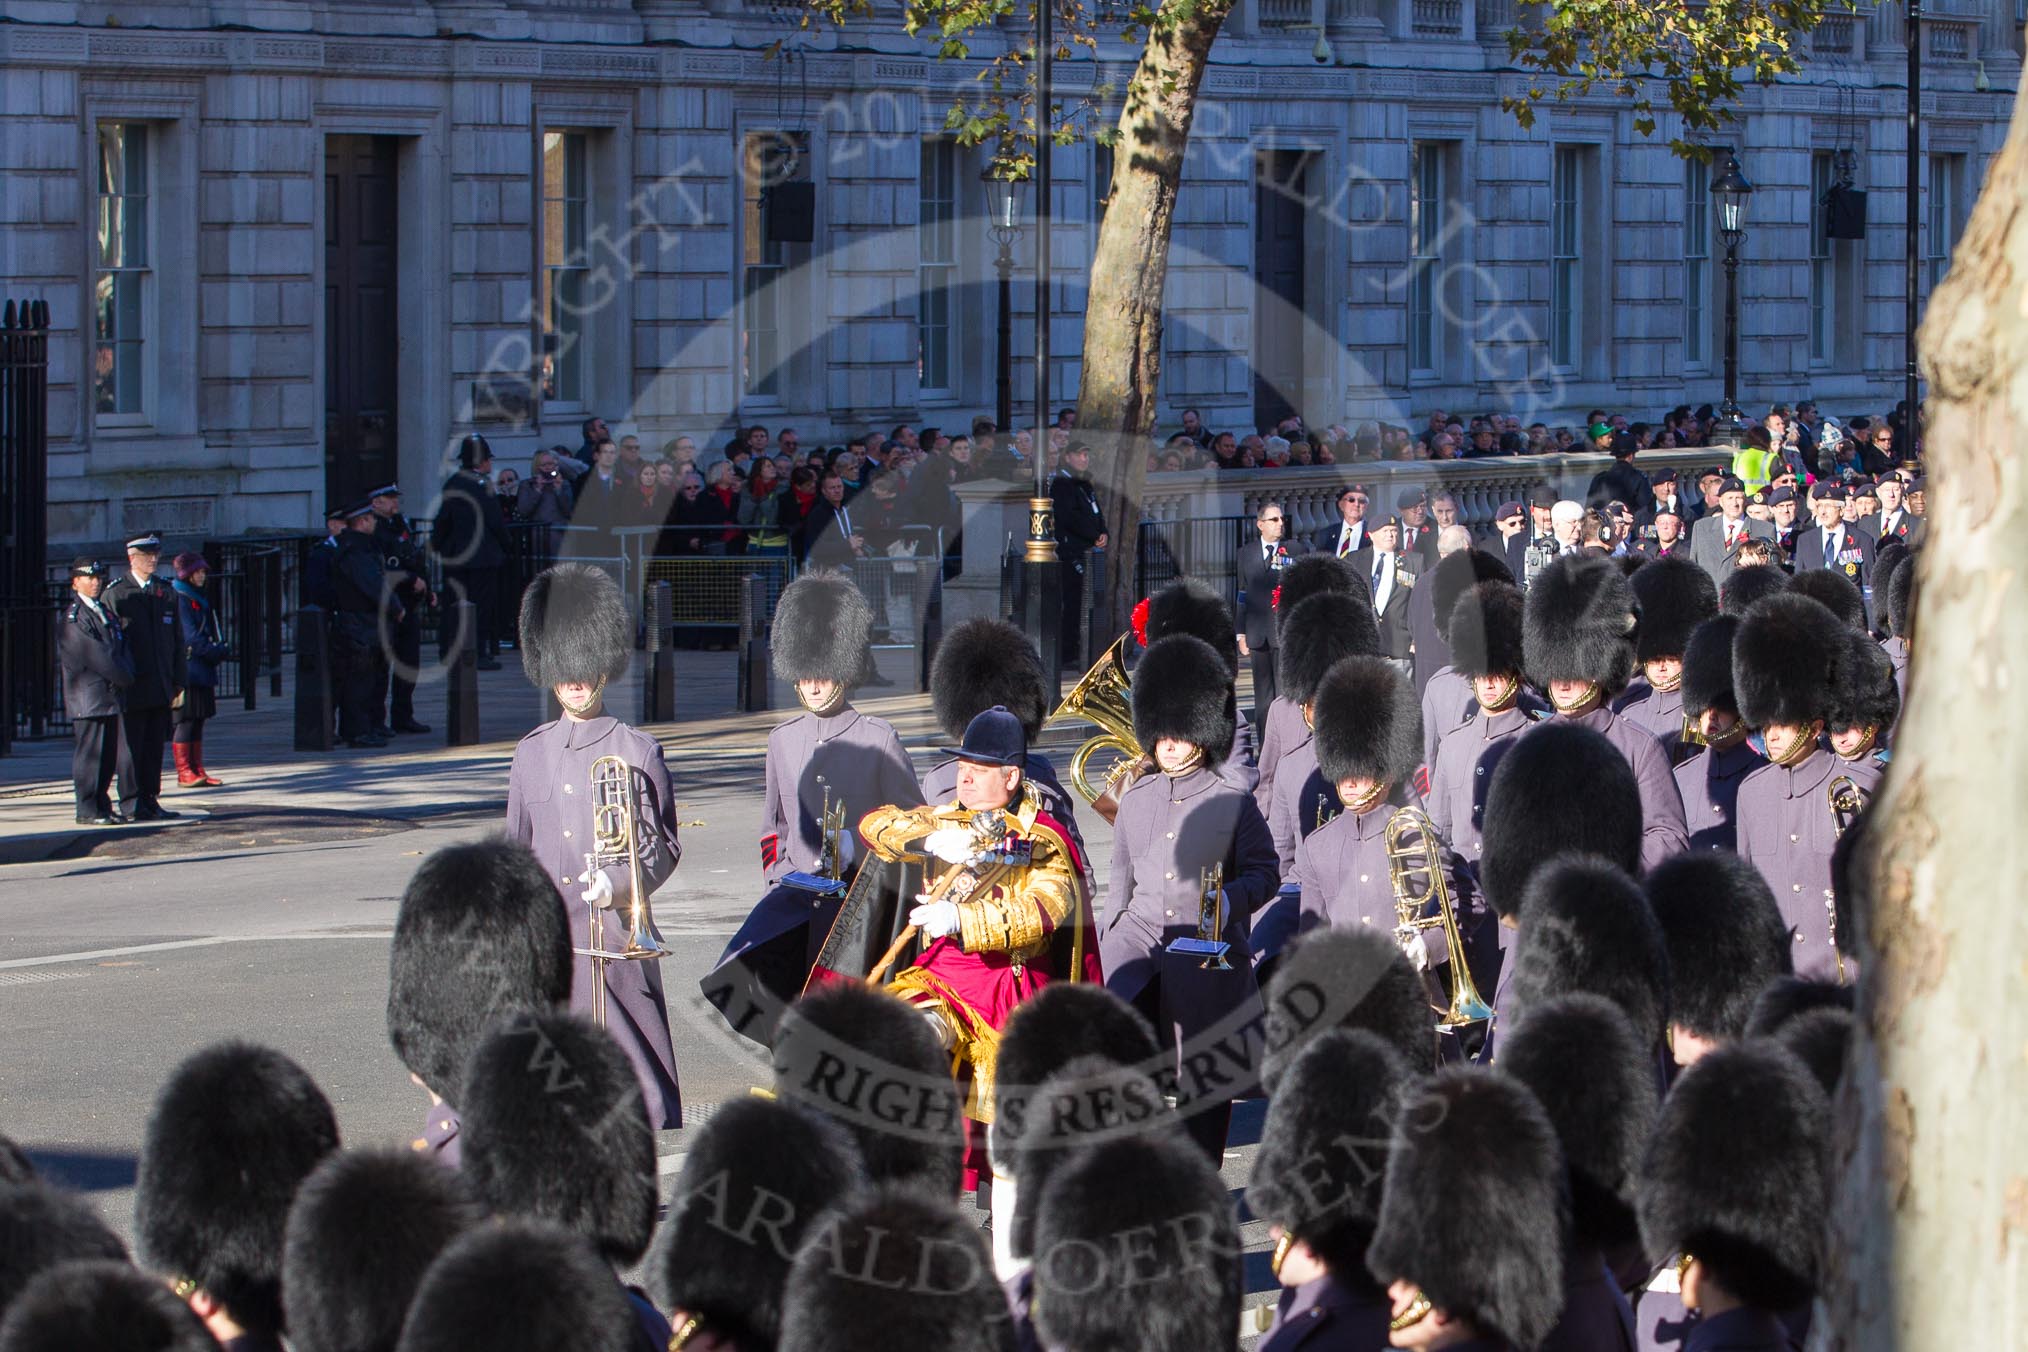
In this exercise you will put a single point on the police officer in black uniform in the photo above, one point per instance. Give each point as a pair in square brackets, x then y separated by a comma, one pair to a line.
[366, 608]
[146, 607]
[97, 670]
[320, 575]
[401, 556]
[1080, 528]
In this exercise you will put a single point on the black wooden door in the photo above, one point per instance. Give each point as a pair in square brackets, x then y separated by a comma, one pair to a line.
[1278, 278]
[360, 326]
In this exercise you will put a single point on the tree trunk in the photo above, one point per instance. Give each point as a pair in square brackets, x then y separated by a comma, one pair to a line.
[1930, 1239]
[1122, 360]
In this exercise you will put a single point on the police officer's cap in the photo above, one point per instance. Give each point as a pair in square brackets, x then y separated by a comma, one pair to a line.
[84, 567]
[363, 507]
[150, 543]
[336, 512]
[385, 491]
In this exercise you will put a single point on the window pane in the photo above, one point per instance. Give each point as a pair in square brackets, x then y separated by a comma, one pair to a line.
[936, 241]
[1565, 235]
[1425, 233]
[119, 289]
[768, 268]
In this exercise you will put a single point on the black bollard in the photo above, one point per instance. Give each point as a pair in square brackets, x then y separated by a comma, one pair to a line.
[658, 682]
[461, 684]
[313, 680]
[754, 692]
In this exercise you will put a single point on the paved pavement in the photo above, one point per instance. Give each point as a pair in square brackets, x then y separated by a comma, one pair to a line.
[265, 912]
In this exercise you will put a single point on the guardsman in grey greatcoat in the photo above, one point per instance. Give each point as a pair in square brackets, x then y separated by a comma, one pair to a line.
[1786, 660]
[1446, 692]
[576, 636]
[1282, 726]
[1675, 596]
[1191, 860]
[1900, 615]
[1580, 635]
[97, 672]
[1709, 781]
[1325, 630]
[146, 606]
[1865, 704]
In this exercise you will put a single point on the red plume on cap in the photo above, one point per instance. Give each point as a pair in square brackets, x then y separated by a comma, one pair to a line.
[1139, 620]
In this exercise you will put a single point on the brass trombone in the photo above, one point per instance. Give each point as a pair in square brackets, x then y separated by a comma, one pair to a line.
[1847, 800]
[616, 843]
[1412, 900]
[1209, 942]
[1103, 696]
[830, 825]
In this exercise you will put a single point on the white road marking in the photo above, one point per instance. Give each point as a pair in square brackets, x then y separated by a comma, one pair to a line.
[90, 955]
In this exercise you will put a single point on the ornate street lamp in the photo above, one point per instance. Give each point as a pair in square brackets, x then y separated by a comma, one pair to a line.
[1006, 187]
[1729, 195]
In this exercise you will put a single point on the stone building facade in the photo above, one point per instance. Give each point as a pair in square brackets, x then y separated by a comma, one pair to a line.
[295, 249]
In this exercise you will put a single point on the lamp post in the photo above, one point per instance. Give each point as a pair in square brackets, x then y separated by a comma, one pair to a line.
[1729, 194]
[1045, 601]
[1004, 184]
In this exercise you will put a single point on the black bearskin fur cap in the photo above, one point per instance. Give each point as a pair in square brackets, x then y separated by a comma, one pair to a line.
[1185, 1293]
[1819, 1039]
[823, 631]
[42, 1226]
[1475, 1210]
[1707, 667]
[235, 1131]
[1580, 624]
[1864, 694]
[1088, 1100]
[481, 932]
[1586, 927]
[1324, 631]
[1187, 606]
[1901, 598]
[1726, 939]
[1456, 574]
[1785, 661]
[1791, 997]
[100, 1306]
[365, 1227]
[1676, 596]
[1749, 586]
[839, 1044]
[1739, 1173]
[1368, 721]
[520, 1286]
[1323, 1148]
[1059, 1023]
[757, 1180]
[15, 1166]
[890, 1261]
[555, 1130]
[1314, 575]
[1586, 1066]
[1485, 631]
[1345, 978]
[574, 627]
[1561, 790]
[1182, 688]
[1838, 593]
[983, 663]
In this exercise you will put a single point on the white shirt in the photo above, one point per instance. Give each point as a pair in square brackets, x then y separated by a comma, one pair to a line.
[1383, 582]
[1834, 543]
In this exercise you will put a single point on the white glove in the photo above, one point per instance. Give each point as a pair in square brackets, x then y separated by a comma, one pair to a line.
[952, 844]
[600, 893]
[848, 848]
[935, 919]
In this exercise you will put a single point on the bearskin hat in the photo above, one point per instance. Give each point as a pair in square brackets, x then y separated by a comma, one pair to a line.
[1087, 1100]
[1368, 721]
[101, 1306]
[985, 663]
[1561, 790]
[1456, 574]
[1586, 927]
[1345, 978]
[1819, 1039]
[1785, 661]
[753, 1157]
[520, 1286]
[1748, 586]
[1324, 1145]
[1675, 596]
[1314, 575]
[1186, 1290]
[837, 1044]
[1887, 561]
[481, 932]
[574, 627]
[556, 1130]
[1838, 593]
[1707, 667]
[1187, 606]
[365, 1227]
[235, 1131]
[823, 631]
[15, 1166]
[1791, 997]
[1588, 1068]
[1864, 695]
[1485, 631]
[1475, 1209]
[1580, 624]
[1738, 1173]
[1725, 936]
[1062, 1021]
[42, 1226]
[1182, 688]
[1324, 631]
[888, 1260]
[1901, 598]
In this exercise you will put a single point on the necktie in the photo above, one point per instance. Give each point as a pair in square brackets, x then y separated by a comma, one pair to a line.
[1835, 546]
[1731, 535]
[1344, 541]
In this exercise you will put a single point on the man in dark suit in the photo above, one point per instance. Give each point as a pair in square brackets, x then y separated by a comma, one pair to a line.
[1834, 542]
[1895, 521]
[1619, 481]
[1348, 537]
[1670, 538]
[1536, 532]
[1080, 528]
[1418, 546]
[470, 536]
[97, 672]
[1715, 540]
[1380, 564]
[1663, 497]
[1259, 568]
[829, 537]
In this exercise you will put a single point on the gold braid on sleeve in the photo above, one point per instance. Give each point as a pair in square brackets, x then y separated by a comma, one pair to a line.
[1031, 902]
[889, 831]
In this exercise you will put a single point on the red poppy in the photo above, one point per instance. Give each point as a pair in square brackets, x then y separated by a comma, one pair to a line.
[1139, 620]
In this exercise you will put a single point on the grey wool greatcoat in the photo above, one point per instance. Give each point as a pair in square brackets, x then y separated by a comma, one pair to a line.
[1709, 782]
[1659, 711]
[1462, 771]
[1787, 832]
[1663, 832]
[1168, 831]
[549, 809]
[1293, 814]
[1342, 869]
[858, 757]
[1281, 728]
